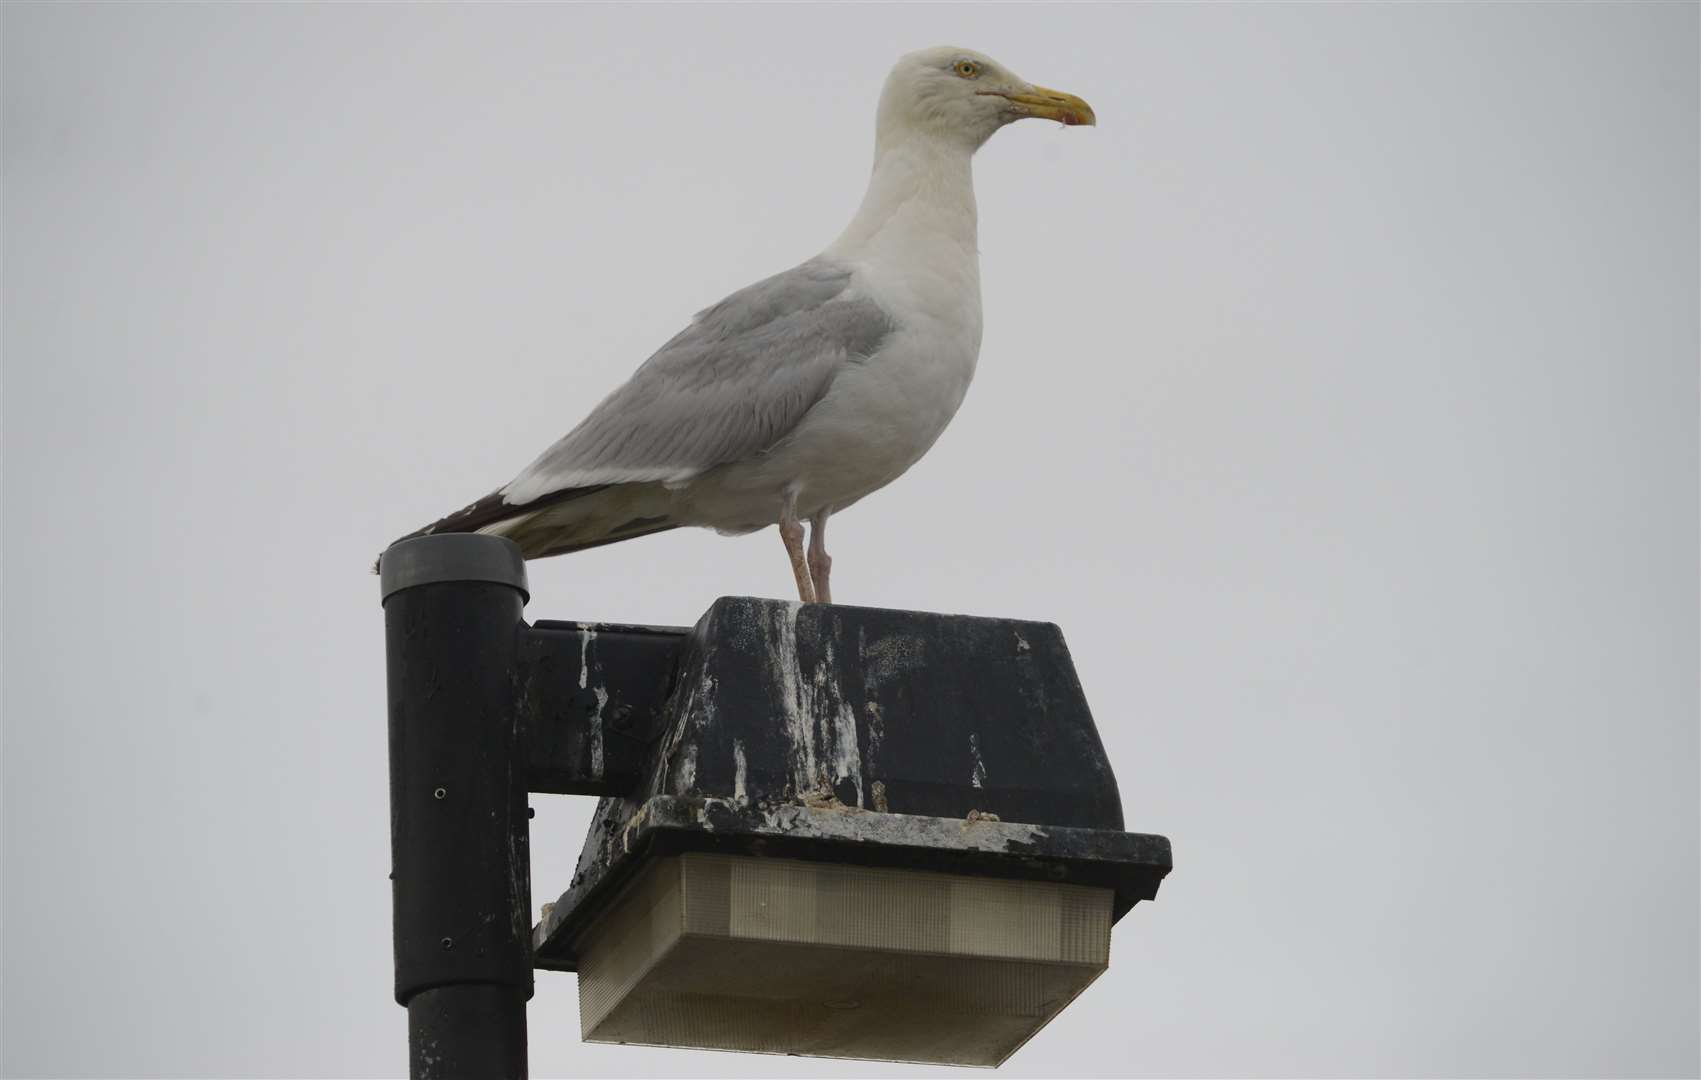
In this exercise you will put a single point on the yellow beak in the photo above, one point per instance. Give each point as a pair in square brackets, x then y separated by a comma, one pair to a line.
[1050, 104]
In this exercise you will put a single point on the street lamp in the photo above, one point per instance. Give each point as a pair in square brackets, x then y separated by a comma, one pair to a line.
[824, 830]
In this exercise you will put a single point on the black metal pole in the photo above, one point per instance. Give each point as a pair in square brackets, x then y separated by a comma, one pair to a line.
[460, 868]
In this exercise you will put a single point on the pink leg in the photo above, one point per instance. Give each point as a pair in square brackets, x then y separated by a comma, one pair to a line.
[791, 531]
[820, 563]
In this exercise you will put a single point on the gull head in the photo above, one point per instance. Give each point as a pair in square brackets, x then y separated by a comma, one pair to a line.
[964, 96]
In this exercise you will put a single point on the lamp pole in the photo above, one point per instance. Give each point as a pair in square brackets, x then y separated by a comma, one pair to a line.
[460, 867]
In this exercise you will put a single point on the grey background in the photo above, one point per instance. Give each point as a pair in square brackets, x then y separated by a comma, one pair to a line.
[1338, 399]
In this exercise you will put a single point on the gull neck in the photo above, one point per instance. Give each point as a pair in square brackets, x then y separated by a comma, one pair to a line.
[920, 195]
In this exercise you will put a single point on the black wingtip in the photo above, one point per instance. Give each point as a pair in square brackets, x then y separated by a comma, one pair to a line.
[490, 510]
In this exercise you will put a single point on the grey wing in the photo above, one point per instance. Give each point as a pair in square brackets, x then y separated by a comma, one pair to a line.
[730, 386]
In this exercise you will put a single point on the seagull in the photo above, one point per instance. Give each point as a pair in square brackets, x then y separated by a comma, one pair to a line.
[794, 397]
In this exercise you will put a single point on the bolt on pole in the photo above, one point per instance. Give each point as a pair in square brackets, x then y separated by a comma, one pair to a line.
[458, 809]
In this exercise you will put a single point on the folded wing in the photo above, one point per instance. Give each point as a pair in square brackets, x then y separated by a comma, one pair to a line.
[731, 385]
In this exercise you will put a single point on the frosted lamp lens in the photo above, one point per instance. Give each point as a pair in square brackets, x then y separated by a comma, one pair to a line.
[778, 956]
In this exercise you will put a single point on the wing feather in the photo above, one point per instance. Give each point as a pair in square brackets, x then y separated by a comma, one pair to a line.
[731, 385]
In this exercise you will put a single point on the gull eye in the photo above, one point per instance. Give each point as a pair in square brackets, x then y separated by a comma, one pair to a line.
[968, 69]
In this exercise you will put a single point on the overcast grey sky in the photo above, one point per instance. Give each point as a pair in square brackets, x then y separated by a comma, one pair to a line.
[1338, 398]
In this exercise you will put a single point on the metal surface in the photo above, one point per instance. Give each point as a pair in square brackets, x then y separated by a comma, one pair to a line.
[458, 818]
[467, 1030]
[426, 560]
[592, 698]
[902, 712]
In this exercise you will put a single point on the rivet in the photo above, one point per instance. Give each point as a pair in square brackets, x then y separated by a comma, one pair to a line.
[440, 793]
[448, 943]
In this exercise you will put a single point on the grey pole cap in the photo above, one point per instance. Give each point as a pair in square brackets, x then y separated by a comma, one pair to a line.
[429, 560]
